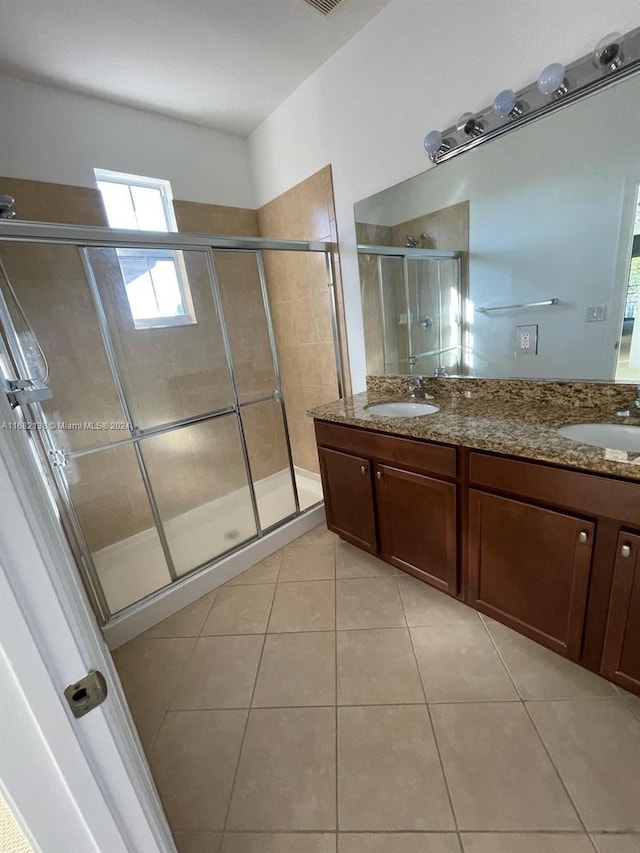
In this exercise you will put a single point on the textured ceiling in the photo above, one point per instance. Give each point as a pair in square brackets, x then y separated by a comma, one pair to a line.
[220, 63]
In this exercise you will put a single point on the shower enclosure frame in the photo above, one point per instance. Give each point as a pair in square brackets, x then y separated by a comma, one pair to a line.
[54, 460]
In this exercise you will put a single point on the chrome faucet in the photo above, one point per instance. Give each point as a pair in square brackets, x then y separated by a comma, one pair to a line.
[636, 402]
[440, 373]
[416, 389]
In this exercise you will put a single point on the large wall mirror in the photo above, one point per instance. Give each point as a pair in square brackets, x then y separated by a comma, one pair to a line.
[518, 258]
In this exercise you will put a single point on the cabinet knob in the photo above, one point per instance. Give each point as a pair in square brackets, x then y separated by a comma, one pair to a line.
[583, 536]
[379, 475]
[363, 469]
[626, 550]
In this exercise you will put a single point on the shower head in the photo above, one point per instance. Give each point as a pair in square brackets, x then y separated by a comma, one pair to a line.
[412, 242]
[6, 206]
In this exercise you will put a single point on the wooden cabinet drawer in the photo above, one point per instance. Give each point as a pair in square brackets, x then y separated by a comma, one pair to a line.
[585, 493]
[438, 459]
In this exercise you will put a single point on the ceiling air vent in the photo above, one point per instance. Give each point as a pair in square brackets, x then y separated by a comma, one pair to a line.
[323, 6]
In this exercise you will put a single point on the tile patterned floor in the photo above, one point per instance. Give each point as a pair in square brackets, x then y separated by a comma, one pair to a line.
[324, 703]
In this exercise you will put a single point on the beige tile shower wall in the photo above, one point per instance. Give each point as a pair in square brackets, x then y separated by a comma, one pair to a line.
[195, 218]
[300, 306]
[39, 201]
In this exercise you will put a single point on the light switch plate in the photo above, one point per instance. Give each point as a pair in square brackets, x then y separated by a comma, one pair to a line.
[526, 340]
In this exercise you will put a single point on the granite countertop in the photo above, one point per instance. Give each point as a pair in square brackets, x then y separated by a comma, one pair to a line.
[501, 426]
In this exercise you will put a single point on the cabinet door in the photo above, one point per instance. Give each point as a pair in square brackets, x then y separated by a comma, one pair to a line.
[348, 497]
[417, 516]
[621, 659]
[529, 568]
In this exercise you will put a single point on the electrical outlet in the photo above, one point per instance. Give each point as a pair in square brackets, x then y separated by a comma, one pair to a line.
[595, 313]
[526, 340]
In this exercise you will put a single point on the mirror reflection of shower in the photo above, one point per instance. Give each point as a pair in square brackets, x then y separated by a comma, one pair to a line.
[412, 301]
[628, 364]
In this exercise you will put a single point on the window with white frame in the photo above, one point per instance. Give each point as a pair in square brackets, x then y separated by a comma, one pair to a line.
[155, 279]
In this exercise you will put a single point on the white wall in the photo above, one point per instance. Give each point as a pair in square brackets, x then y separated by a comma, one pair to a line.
[52, 135]
[416, 66]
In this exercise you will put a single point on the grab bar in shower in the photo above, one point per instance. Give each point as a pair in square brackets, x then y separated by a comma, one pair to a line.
[520, 305]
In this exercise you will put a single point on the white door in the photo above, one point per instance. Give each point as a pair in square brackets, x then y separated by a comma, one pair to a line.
[73, 784]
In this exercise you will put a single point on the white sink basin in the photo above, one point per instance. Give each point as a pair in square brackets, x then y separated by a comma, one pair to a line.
[612, 436]
[402, 410]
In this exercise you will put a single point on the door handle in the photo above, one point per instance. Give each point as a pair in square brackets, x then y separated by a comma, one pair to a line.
[625, 551]
[379, 475]
[583, 536]
[363, 469]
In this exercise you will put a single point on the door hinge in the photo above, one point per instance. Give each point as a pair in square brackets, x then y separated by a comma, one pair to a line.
[58, 458]
[86, 694]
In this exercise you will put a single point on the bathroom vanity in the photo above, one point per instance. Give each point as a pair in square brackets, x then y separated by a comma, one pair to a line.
[493, 506]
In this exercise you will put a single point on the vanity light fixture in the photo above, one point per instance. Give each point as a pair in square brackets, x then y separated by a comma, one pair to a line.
[552, 80]
[614, 58]
[6, 206]
[435, 145]
[507, 105]
[608, 54]
[469, 125]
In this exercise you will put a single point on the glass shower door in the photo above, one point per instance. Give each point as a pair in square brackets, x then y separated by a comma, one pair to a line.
[242, 285]
[170, 361]
[166, 439]
[82, 433]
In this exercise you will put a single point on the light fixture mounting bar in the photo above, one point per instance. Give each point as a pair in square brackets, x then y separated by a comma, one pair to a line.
[583, 77]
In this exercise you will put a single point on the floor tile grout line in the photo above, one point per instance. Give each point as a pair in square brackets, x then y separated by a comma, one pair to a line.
[625, 699]
[329, 630]
[502, 661]
[213, 601]
[430, 718]
[540, 738]
[578, 833]
[246, 722]
[559, 775]
[344, 705]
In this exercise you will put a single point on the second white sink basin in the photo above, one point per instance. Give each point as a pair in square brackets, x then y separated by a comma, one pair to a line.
[612, 436]
[401, 409]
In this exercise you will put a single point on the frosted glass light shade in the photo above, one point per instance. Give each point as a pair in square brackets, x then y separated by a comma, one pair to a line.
[504, 103]
[551, 78]
[433, 142]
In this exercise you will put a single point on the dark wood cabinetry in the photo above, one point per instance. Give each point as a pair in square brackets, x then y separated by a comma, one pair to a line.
[417, 516]
[348, 495]
[529, 568]
[547, 550]
[621, 658]
[411, 514]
